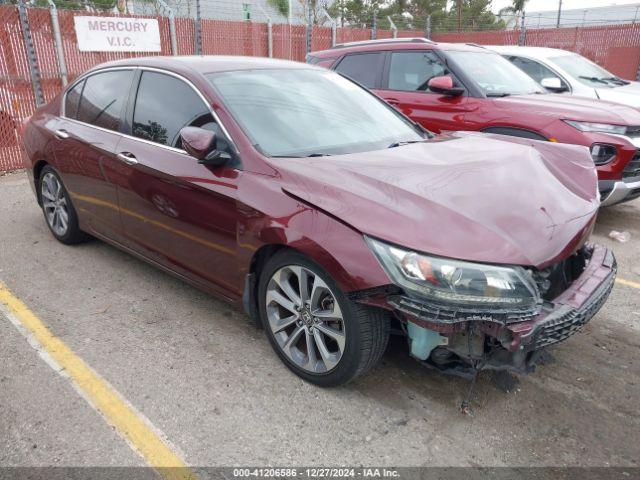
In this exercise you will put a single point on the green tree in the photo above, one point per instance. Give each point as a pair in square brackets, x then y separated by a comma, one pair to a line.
[474, 15]
[281, 6]
[102, 5]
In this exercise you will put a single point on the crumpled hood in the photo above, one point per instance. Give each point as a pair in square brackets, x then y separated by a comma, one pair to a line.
[572, 107]
[472, 196]
[626, 94]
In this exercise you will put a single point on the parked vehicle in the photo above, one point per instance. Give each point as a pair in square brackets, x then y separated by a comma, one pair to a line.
[560, 71]
[328, 215]
[467, 87]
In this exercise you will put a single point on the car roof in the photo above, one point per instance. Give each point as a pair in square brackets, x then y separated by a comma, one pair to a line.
[206, 63]
[395, 44]
[534, 52]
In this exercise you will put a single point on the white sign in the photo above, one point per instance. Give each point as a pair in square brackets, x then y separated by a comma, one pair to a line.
[117, 34]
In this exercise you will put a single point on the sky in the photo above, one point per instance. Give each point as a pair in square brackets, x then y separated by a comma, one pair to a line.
[543, 5]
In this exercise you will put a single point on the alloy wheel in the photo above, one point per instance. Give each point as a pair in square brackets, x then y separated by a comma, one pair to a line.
[305, 319]
[54, 204]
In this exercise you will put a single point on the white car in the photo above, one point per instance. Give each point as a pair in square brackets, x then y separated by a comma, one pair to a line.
[563, 71]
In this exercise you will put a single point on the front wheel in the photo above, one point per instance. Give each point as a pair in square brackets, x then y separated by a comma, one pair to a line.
[319, 333]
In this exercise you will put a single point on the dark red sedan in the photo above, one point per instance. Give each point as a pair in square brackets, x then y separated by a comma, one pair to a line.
[451, 86]
[295, 192]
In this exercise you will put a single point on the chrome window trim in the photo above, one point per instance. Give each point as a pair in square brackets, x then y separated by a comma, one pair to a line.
[151, 69]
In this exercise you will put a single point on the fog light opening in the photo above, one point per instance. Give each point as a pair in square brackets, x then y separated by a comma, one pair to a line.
[602, 153]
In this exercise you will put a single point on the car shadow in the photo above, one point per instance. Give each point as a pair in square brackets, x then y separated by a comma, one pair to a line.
[621, 217]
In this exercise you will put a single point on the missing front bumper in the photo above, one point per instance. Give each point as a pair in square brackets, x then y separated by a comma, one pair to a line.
[514, 339]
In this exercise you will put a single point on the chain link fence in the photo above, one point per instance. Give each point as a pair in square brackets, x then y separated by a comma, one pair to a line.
[39, 52]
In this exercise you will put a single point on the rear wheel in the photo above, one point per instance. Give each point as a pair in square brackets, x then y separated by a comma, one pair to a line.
[319, 333]
[58, 210]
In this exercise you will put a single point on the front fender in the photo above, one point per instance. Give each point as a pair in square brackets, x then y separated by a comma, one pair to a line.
[269, 216]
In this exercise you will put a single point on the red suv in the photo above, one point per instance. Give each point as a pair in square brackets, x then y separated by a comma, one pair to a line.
[446, 86]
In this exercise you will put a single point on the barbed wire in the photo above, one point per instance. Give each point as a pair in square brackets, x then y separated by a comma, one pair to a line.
[441, 22]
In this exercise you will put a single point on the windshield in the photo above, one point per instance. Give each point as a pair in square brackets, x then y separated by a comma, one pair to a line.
[300, 112]
[495, 75]
[587, 72]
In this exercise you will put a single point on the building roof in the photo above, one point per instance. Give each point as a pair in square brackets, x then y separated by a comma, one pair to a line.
[588, 17]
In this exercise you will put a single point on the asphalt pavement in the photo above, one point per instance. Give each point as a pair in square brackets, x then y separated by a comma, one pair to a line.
[199, 378]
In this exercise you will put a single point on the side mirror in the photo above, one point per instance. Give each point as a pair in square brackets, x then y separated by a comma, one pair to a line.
[553, 84]
[444, 85]
[201, 144]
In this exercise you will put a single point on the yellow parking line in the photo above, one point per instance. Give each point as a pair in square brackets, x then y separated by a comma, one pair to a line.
[628, 283]
[106, 400]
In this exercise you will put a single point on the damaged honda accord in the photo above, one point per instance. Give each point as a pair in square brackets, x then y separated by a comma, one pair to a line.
[330, 217]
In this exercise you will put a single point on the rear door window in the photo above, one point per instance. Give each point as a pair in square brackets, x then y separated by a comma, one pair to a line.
[103, 98]
[164, 105]
[364, 68]
[411, 71]
[72, 100]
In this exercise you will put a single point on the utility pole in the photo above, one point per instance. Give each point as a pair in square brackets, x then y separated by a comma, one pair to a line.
[459, 7]
[559, 13]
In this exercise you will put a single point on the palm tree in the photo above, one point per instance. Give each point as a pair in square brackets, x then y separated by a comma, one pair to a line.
[516, 7]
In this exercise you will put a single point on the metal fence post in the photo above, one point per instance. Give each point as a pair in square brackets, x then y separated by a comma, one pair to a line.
[269, 37]
[34, 71]
[374, 27]
[522, 39]
[334, 27]
[309, 29]
[427, 27]
[57, 38]
[172, 26]
[394, 29]
[198, 30]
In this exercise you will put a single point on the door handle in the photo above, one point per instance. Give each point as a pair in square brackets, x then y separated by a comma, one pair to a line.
[392, 101]
[128, 158]
[61, 134]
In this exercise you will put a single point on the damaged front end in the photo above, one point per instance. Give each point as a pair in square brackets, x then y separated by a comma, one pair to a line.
[461, 317]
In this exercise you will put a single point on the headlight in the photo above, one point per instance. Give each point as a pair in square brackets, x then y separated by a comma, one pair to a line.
[598, 127]
[456, 281]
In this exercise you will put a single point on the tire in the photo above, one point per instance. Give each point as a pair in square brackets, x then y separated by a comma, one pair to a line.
[365, 330]
[55, 198]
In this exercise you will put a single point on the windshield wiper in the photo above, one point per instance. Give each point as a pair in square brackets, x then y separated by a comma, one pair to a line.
[619, 80]
[301, 156]
[405, 142]
[594, 79]
[498, 94]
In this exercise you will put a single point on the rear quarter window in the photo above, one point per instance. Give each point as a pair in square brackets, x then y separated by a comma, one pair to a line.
[72, 99]
[364, 68]
[103, 98]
